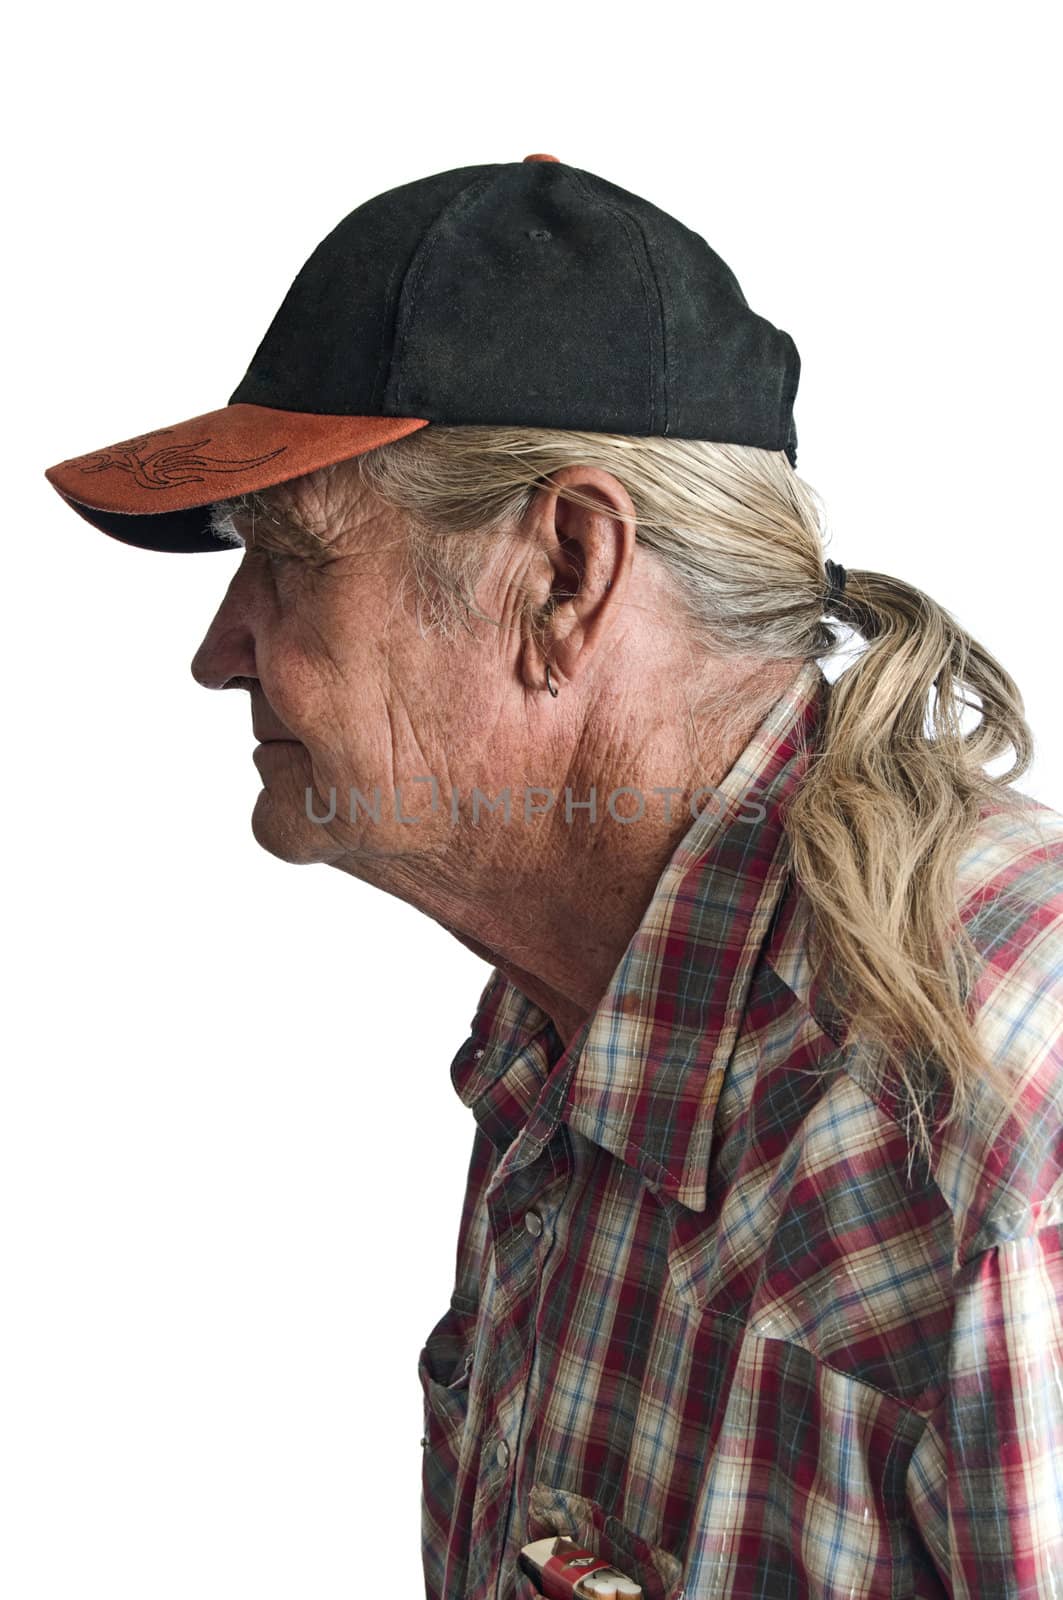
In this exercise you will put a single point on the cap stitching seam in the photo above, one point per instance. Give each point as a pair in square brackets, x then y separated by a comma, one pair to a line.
[383, 372]
[426, 250]
[630, 222]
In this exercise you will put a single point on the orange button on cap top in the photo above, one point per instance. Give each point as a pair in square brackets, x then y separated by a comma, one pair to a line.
[540, 158]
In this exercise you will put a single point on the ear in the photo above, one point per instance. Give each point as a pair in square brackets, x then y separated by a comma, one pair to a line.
[583, 564]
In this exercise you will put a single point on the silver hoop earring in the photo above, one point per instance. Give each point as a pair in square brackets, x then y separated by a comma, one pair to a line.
[550, 684]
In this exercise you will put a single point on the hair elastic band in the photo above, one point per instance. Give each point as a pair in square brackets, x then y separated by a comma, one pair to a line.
[835, 584]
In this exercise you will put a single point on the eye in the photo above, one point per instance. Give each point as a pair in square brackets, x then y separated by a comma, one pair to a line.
[279, 560]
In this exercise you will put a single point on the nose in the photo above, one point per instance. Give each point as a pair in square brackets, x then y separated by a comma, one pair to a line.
[226, 656]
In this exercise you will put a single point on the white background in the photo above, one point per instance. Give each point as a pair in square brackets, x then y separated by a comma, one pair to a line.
[232, 1159]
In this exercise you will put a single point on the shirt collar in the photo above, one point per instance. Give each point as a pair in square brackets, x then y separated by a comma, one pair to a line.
[643, 1075]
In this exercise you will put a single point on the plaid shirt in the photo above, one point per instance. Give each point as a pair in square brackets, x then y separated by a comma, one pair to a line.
[704, 1319]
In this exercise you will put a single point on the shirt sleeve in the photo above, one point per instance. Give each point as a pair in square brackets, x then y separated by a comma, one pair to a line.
[985, 1483]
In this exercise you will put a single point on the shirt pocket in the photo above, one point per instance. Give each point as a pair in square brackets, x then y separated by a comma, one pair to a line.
[656, 1570]
[444, 1368]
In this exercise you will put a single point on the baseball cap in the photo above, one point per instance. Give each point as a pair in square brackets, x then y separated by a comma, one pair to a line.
[526, 293]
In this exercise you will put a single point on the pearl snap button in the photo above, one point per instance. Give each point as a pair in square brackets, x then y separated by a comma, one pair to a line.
[502, 1453]
[533, 1222]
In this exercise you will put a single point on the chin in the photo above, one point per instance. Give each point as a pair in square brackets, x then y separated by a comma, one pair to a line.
[289, 836]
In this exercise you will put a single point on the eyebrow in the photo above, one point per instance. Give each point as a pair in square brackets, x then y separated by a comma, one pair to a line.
[280, 527]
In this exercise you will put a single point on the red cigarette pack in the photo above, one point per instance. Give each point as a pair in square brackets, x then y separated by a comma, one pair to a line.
[564, 1570]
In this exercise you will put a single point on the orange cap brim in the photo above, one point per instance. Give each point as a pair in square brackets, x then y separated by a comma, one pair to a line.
[152, 491]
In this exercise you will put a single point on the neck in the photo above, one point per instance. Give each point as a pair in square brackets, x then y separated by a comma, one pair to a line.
[557, 920]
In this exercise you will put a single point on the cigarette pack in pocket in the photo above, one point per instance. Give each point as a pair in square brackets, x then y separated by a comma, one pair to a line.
[565, 1570]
